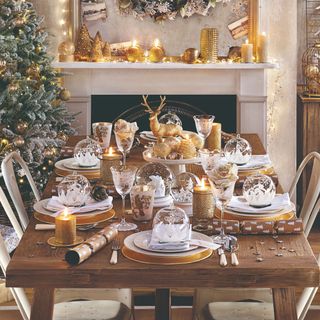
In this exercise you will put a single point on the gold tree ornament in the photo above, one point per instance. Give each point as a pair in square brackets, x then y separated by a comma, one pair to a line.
[96, 50]
[21, 127]
[3, 66]
[62, 136]
[65, 95]
[83, 46]
[18, 141]
[106, 52]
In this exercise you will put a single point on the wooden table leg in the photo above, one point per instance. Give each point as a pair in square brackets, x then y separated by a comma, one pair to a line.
[163, 304]
[284, 304]
[43, 303]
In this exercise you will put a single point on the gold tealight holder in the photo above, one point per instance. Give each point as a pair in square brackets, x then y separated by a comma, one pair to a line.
[108, 160]
[156, 53]
[203, 207]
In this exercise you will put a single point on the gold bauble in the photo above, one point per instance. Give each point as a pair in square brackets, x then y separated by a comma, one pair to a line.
[48, 153]
[18, 141]
[38, 49]
[4, 142]
[134, 54]
[65, 95]
[190, 55]
[3, 66]
[56, 103]
[156, 54]
[311, 71]
[7, 149]
[21, 126]
[66, 47]
[62, 136]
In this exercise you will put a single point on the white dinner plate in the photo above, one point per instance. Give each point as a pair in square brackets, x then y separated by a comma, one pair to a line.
[41, 207]
[143, 238]
[72, 164]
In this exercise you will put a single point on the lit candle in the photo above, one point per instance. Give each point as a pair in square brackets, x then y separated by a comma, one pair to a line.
[214, 139]
[107, 160]
[146, 56]
[203, 206]
[156, 52]
[134, 53]
[247, 52]
[65, 232]
[262, 51]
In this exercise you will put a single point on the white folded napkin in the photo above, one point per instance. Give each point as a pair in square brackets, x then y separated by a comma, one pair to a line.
[55, 205]
[44, 227]
[280, 202]
[170, 237]
[256, 161]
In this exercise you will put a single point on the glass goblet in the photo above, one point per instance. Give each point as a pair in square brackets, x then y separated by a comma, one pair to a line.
[210, 159]
[203, 124]
[223, 192]
[123, 179]
[124, 142]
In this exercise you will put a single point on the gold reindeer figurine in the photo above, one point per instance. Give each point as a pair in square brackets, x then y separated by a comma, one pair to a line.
[160, 129]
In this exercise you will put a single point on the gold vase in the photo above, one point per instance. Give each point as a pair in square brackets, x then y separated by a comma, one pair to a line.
[209, 45]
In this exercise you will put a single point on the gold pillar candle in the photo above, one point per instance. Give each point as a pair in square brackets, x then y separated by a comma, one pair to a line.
[107, 160]
[134, 53]
[156, 53]
[262, 52]
[209, 45]
[203, 206]
[254, 24]
[214, 139]
[65, 232]
[247, 52]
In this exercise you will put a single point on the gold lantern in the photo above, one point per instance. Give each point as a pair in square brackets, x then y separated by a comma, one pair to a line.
[311, 70]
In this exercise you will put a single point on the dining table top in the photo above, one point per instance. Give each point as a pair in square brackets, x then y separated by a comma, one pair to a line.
[38, 265]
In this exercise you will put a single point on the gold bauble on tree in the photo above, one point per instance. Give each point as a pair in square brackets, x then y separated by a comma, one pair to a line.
[3, 66]
[66, 51]
[65, 95]
[96, 50]
[48, 153]
[33, 72]
[21, 126]
[62, 136]
[18, 141]
[83, 46]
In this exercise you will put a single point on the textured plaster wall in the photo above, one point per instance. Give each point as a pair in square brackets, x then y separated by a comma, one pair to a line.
[279, 19]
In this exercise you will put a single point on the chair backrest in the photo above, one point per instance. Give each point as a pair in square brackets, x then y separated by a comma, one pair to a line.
[18, 293]
[311, 203]
[10, 180]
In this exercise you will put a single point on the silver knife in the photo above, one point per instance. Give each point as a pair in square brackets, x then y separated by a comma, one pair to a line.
[223, 260]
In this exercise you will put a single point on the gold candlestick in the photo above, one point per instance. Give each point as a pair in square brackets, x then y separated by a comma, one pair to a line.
[156, 53]
[203, 207]
[65, 232]
[134, 53]
[247, 52]
[214, 139]
[108, 160]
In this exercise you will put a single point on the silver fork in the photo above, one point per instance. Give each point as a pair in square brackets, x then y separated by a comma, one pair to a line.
[115, 246]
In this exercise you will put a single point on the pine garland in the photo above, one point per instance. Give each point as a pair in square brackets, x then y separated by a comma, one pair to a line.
[33, 117]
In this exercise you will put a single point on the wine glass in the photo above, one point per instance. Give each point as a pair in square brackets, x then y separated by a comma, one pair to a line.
[124, 142]
[209, 159]
[204, 124]
[222, 180]
[123, 179]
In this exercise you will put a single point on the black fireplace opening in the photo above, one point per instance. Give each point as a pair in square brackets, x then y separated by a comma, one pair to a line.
[110, 108]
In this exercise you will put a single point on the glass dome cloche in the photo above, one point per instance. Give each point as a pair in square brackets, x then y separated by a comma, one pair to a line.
[238, 150]
[170, 118]
[157, 175]
[182, 187]
[74, 190]
[259, 190]
[171, 224]
[87, 152]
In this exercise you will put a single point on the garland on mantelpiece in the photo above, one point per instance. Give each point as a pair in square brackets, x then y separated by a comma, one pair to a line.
[166, 9]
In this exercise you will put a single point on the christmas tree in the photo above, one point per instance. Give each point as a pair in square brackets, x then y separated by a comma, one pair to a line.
[33, 117]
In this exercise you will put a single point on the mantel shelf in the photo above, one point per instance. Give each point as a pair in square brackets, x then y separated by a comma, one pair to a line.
[166, 66]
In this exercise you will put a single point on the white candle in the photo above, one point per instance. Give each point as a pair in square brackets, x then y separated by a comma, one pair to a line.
[262, 48]
[247, 52]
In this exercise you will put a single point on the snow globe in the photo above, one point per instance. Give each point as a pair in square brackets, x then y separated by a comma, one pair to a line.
[87, 152]
[238, 150]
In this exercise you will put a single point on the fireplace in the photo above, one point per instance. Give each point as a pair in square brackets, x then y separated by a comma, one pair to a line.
[128, 107]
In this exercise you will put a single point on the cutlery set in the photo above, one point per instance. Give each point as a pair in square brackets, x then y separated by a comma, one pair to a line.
[232, 248]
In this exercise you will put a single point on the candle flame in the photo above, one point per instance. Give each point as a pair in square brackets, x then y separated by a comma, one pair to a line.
[247, 41]
[110, 152]
[146, 54]
[65, 213]
[156, 43]
[134, 43]
[264, 33]
[203, 182]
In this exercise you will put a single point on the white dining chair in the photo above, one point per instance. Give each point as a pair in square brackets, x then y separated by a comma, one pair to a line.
[113, 299]
[230, 304]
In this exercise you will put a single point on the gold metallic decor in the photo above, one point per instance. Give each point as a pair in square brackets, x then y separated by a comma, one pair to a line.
[311, 70]
[66, 51]
[209, 45]
[190, 56]
[83, 46]
[254, 24]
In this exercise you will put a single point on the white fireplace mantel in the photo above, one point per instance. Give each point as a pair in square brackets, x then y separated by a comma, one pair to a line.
[247, 81]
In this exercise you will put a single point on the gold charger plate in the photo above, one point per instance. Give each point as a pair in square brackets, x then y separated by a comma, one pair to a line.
[62, 171]
[81, 220]
[130, 251]
[264, 170]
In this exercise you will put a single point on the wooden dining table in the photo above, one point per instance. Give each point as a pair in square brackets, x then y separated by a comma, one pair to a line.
[35, 264]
